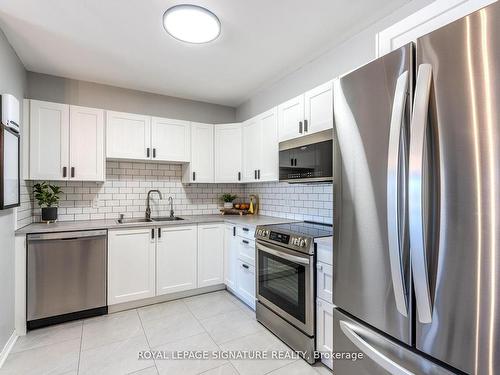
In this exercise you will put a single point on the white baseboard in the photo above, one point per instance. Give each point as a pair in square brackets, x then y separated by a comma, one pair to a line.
[7, 348]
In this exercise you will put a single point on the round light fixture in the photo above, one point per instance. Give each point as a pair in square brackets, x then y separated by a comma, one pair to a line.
[191, 23]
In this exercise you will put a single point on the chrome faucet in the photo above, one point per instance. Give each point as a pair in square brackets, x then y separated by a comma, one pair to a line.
[148, 208]
[171, 201]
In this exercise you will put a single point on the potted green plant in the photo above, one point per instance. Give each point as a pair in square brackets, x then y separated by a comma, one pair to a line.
[228, 199]
[47, 197]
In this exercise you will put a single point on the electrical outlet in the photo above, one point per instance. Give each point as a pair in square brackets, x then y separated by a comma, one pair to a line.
[95, 202]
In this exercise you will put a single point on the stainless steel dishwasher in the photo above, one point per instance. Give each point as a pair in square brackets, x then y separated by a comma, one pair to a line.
[66, 276]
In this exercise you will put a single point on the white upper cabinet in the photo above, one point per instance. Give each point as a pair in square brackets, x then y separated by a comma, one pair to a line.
[201, 168]
[170, 140]
[228, 154]
[260, 147]
[308, 113]
[176, 258]
[86, 144]
[435, 15]
[128, 136]
[291, 118]
[49, 140]
[66, 142]
[251, 149]
[269, 146]
[210, 254]
[318, 104]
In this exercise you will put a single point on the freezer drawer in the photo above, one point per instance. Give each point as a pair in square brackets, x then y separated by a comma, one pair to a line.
[66, 273]
[381, 356]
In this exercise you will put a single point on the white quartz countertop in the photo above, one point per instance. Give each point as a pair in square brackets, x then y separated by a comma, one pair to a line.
[66, 226]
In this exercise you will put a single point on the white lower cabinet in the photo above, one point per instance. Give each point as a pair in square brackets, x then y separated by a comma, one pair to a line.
[324, 281]
[246, 251]
[176, 258]
[246, 283]
[131, 265]
[324, 329]
[239, 266]
[210, 254]
[230, 256]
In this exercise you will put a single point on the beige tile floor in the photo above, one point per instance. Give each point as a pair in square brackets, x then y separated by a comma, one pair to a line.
[110, 344]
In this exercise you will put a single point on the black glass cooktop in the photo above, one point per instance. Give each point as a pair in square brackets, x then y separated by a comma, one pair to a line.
[304, 228]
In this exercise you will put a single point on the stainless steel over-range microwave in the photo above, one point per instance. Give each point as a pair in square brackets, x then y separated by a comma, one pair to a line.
[307, 159]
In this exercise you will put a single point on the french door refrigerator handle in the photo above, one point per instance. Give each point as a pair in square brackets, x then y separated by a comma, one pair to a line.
[394, 191]
[416, 193]
[383, 361]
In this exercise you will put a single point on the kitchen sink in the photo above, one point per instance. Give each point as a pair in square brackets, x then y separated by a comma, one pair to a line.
[167, 218]
[133, 220]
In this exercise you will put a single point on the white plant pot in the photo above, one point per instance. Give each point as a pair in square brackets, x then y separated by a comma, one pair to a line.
[228, 204]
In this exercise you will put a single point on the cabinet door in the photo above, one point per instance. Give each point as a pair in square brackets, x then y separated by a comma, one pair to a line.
[291, 118]
[170, 139]
[318, 104]
[251, 149]
[128, 136]
[86, 144]
[176, 253]
[228, 153]
[230, 256]
[246, 283]
[131, 265]
[49, 141]
[325, 281]
[269, 146]
[324, 329]
[202, 153]
[210, 254]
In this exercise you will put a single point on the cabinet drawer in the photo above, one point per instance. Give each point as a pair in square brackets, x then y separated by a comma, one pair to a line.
[245, 232]
[324, 250]
[246, 250]
[324, 281]
[246, 283]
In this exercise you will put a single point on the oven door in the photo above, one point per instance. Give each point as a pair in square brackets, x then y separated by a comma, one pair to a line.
[285, 284]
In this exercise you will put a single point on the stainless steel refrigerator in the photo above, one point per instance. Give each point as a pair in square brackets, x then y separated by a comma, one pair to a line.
[417, 206]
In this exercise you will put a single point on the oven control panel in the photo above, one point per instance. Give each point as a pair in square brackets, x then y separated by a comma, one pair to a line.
[282, 238]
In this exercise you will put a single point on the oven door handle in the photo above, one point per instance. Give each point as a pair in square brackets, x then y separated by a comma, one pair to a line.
[291, 258]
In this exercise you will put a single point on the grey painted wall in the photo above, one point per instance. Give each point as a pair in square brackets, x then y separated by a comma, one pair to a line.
[89, 94]
[352, 53]
[12, 81]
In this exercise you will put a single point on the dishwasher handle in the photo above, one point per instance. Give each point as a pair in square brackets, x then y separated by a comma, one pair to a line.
[67, 235]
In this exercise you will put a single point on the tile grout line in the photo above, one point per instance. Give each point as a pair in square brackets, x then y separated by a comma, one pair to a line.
[147, 340]
[80, 351]
[209, 335]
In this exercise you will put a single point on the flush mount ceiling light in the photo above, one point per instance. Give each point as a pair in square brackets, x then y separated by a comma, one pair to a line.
[191, 23]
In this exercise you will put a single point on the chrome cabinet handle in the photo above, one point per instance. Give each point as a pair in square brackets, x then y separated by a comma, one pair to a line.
[395, 169]
[65, 171]
[380, 359]
[416, 193]
[300, 127]
[305, 126]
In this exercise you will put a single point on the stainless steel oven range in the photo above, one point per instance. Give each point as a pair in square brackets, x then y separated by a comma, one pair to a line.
[285, 256]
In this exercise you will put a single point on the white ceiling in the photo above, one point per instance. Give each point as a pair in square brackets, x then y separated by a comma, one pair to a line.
[123, 43]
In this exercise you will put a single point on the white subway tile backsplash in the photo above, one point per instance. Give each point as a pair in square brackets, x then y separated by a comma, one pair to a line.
[127, 184]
